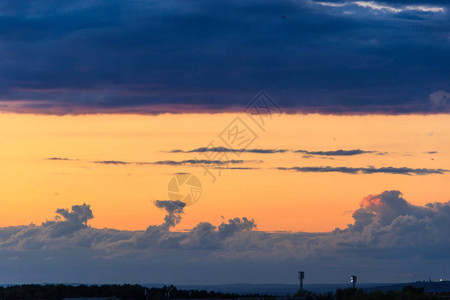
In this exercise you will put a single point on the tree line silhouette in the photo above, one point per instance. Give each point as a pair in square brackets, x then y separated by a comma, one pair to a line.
[407, 293]
[126, 291]
[138, 292]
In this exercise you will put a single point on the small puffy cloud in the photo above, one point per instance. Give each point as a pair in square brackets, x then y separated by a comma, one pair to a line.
[440, 100]
[80, 214]
[174, 210]
[71, 220]
[207, 236]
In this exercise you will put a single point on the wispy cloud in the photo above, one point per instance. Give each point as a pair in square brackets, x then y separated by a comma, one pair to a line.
[61, 158]
[112, 162]
[201, 161]
[431, 152]
[166, 162]
[335, 152]
[383, 6]
[237, 168]
[339, 152]
[330, 4]
[377, 6]
[177, 163]
[366, 170]
[229, 150]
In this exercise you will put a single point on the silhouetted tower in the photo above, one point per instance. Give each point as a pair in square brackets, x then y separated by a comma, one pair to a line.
[301, 276]
[353, 280]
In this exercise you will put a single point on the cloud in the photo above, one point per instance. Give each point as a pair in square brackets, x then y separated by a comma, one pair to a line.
[375, 6]
[112, 162]
[72, 220]
[175, 163]
[381, 6]
[60, 158]
[322, 169]
[440, 100]
[51, 234]
[385, 228]
[271, 151]
[80, 214]
[207, 236]
[388, 220]
[174, 210]
[330, 4]
[227, 164]
[236, 168]
[328, 57]
[168, 162]
[336, 152]
[431, 152]
[200, 161]
[322, 157]
[70, 229]
[227, 150]
[404, 170]
[366, 170]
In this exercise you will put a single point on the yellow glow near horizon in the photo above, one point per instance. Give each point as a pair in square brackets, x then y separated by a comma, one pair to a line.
[32, 188]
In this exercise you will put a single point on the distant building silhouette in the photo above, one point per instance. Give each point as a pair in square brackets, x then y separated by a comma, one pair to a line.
[301, 276]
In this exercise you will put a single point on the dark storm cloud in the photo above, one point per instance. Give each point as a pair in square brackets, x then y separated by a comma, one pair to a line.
[189, 56]
[367, 170]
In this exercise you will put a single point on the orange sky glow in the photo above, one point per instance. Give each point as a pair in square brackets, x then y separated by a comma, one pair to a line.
[32, 187]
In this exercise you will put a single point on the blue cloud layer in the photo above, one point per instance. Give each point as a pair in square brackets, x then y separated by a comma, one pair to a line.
[390, 239]
[180, 56]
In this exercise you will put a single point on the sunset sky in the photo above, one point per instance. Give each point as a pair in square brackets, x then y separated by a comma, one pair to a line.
[102, 103]
[121, 194]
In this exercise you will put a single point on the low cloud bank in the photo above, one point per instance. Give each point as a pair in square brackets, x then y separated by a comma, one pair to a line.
[383, 221]
[385, 227]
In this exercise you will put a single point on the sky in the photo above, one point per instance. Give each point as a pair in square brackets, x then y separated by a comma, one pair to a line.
[313, 136]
